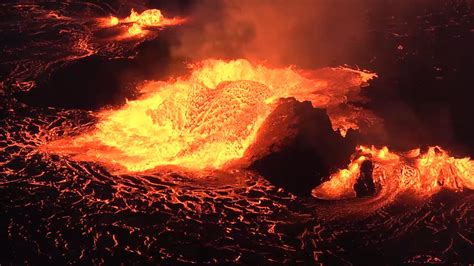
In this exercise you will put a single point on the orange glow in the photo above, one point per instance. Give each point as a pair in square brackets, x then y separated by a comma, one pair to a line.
[137, 23]
[114, 21]
[135, 29]
[424, 173]
[205, 120]
[150, 17]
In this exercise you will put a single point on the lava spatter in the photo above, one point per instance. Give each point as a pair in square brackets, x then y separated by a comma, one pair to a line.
[137, 23]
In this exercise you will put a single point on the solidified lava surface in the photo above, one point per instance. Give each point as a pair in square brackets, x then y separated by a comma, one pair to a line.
[57, 210]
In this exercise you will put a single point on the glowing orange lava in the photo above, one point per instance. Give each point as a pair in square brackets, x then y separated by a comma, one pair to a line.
[206, 119]
[425, 173]
[137, 23]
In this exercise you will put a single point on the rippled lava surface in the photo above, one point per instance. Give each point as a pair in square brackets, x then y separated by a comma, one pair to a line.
[53, 210]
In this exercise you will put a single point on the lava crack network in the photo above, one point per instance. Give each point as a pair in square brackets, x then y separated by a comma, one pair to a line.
[205, 120]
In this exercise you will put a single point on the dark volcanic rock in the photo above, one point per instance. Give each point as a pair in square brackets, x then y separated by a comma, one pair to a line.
[364, 185]
[297, 147]
[96, 81]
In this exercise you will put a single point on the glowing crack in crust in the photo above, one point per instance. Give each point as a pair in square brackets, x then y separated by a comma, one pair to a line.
[205, 120]
[425, 173]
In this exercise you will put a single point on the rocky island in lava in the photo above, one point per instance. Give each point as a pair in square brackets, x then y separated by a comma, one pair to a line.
[236, 132]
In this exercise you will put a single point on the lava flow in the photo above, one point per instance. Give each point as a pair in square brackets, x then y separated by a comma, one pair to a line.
[205, 120]
[137, 23]
[424, 173]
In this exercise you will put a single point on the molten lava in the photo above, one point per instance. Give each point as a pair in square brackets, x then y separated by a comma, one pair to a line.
[137, 23]
[425, 173]
[204, 120]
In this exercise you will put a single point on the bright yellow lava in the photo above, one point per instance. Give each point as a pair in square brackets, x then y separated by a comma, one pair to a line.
[136, 23]
[204, 120]
[425, 173]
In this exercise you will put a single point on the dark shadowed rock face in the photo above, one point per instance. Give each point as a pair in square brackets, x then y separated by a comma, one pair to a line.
[307, 151]
[364, 185]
